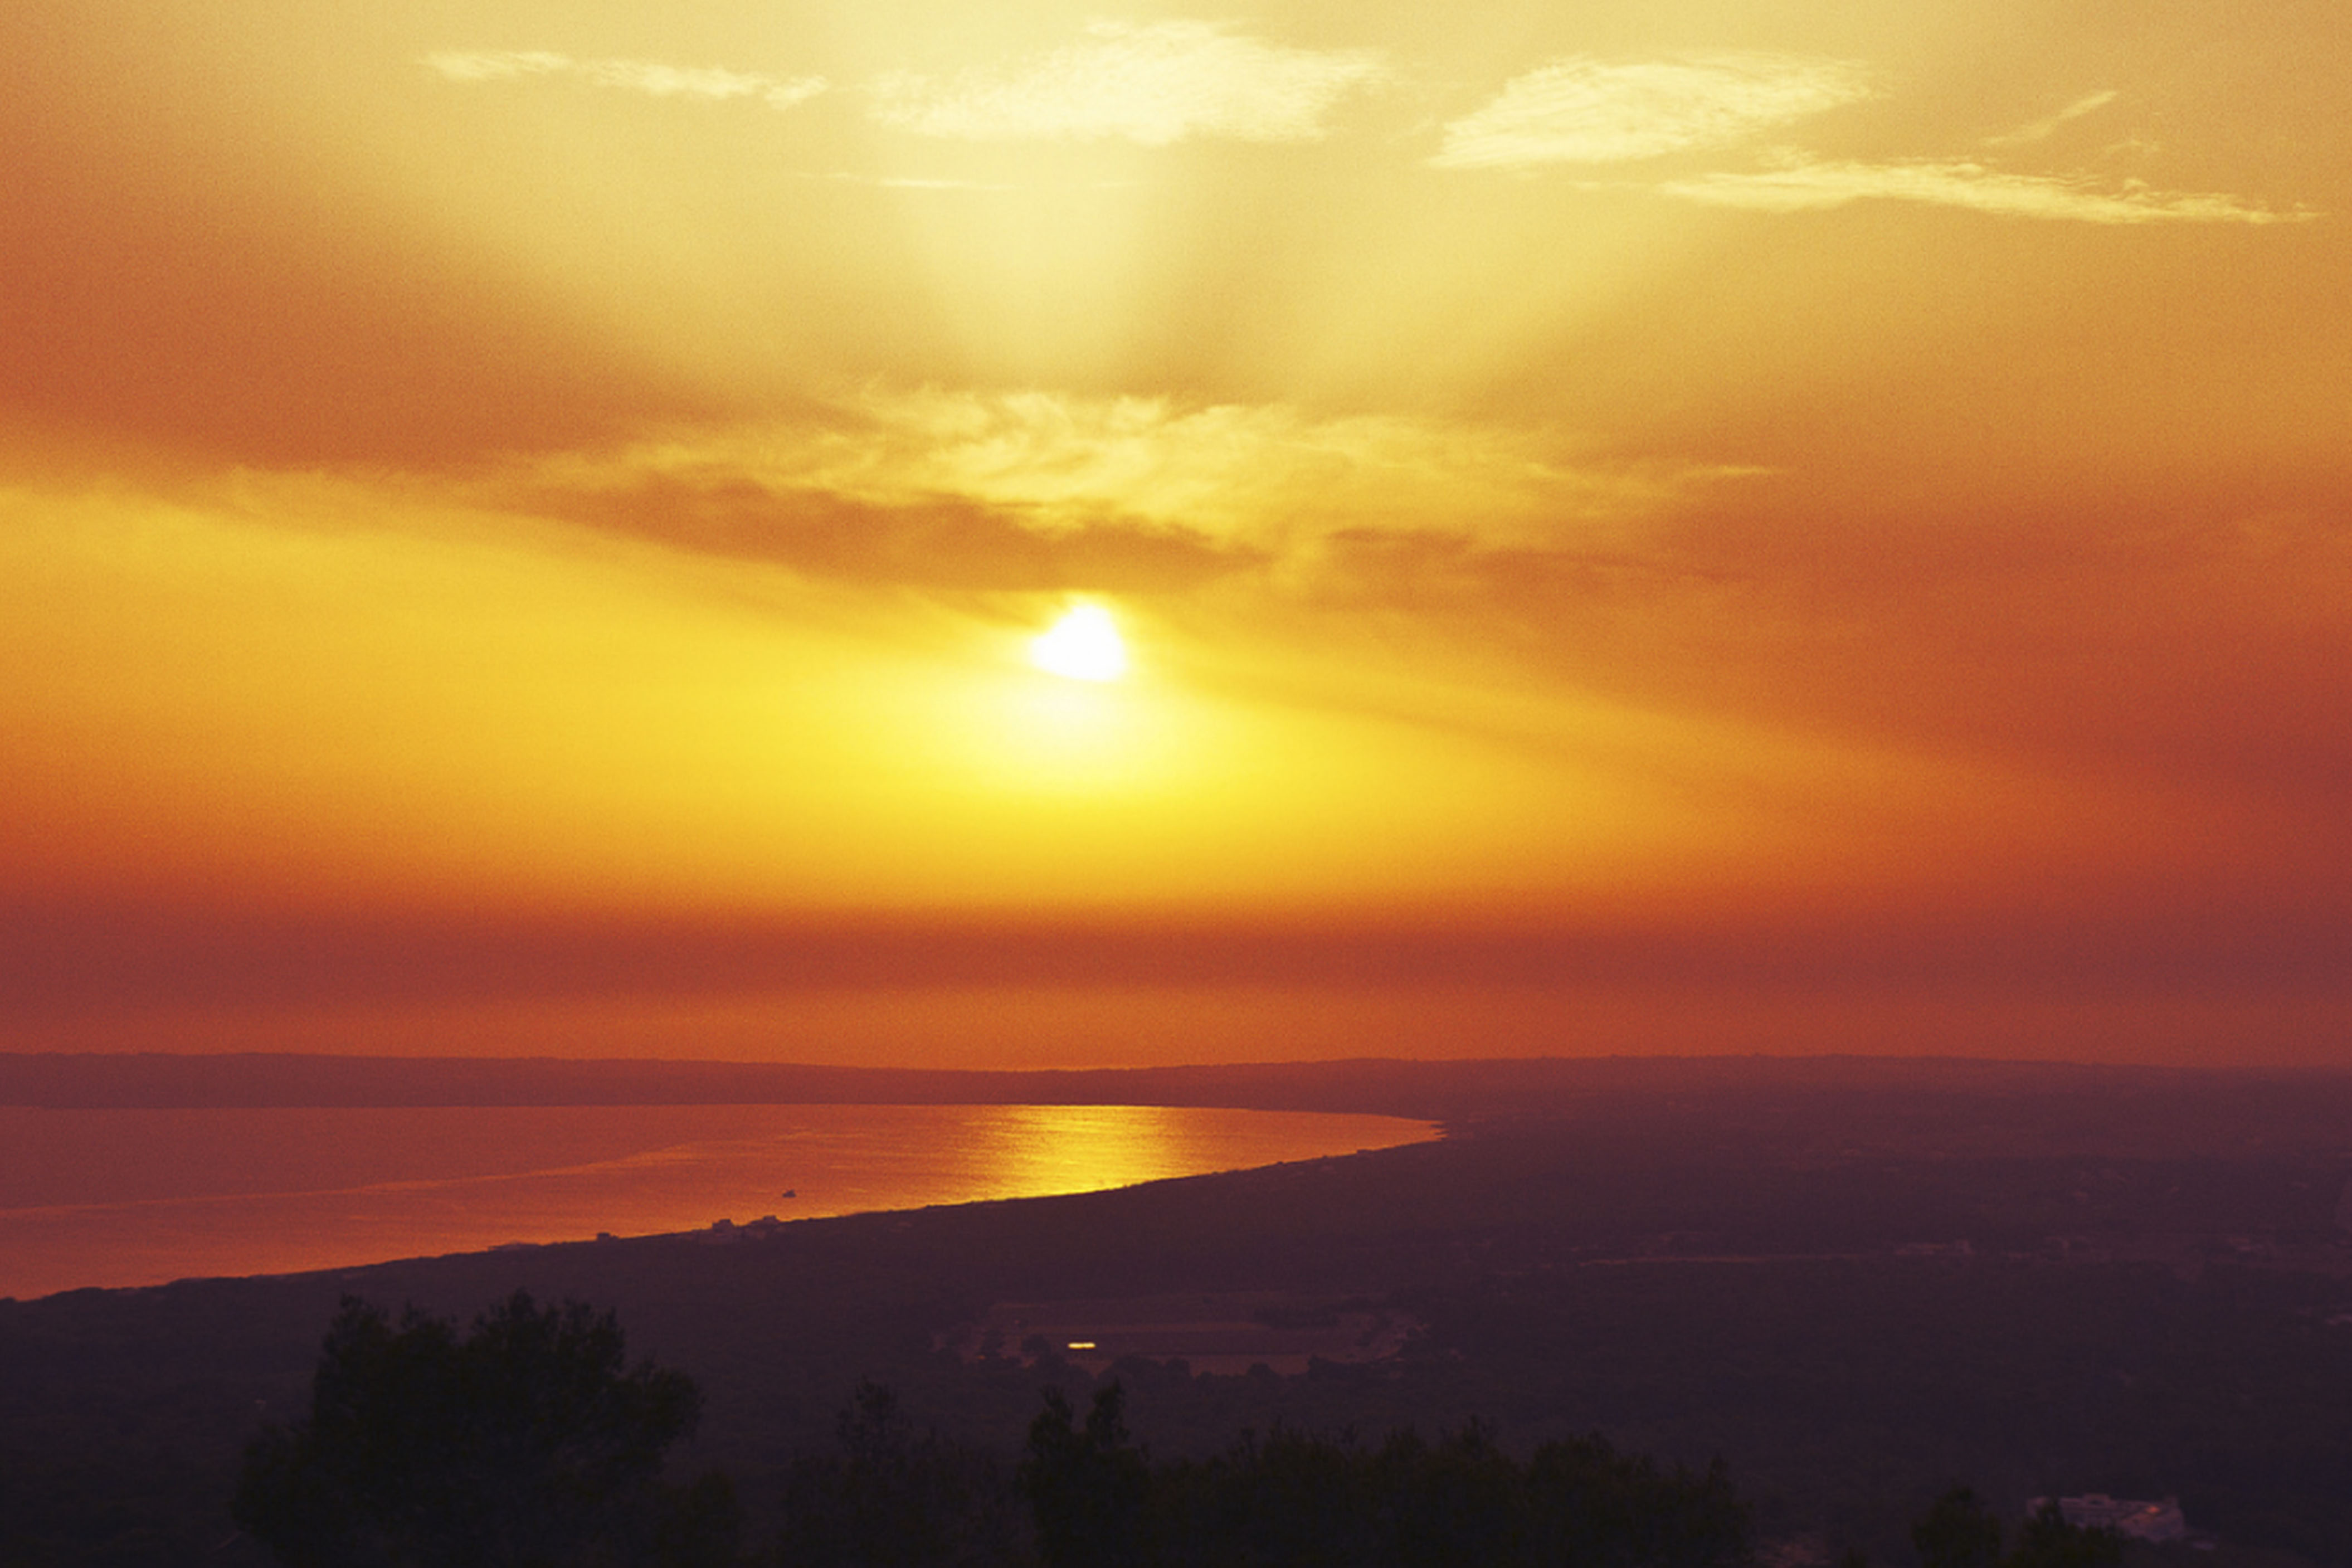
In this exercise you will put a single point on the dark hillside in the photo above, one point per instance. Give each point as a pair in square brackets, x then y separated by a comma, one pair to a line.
[1857, 1285]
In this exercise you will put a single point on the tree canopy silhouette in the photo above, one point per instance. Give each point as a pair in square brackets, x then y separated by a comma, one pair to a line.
[1088, 1484]
[1961, 1530]
[2047, 1541]
[1293, 1499]
[888, 1497]
[527, 1442]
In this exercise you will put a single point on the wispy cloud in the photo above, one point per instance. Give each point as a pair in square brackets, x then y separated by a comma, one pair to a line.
[2043, 129]
[1039, 490]
[650, 76]
[927, 541]
[1583, 111]
[1254, 474]
[1155, 84]
[1798, 187]
[897, 182]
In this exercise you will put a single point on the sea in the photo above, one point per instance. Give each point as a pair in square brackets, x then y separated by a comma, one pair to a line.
[132, 1198]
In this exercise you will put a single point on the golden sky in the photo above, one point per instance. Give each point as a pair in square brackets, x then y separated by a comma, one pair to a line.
[1674, 525]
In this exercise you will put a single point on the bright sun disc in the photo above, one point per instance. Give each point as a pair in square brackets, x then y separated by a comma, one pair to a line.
[1084, 645]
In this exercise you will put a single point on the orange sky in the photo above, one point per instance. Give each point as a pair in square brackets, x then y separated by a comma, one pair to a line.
[1636, 526]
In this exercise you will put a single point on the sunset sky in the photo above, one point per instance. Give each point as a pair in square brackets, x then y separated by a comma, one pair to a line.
[1644, 527]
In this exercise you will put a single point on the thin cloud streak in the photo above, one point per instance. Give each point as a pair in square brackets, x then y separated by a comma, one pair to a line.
[1155, 84]
[1974, 187]
[1583, 111]
[1043, 489]
[651, 78]
[938, 541]
[2044, 128]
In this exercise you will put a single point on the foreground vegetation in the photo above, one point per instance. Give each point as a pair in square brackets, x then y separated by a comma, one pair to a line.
[529, 1442]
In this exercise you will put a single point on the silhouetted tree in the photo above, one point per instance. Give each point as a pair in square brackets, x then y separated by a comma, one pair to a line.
[2047, 1541]
[888, 1498]
[1294, 1501]
[1595, 1507]
[1461, 1500]
[1086, 1487]
[527, 1443]
[1957, 1532]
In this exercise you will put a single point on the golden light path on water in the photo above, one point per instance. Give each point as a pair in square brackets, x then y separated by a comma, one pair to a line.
[123, 1197]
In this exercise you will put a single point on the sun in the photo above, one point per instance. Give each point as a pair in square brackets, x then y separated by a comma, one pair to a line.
[1084, 645]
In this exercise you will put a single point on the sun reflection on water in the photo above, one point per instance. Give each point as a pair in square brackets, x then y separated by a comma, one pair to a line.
[1041, 1149]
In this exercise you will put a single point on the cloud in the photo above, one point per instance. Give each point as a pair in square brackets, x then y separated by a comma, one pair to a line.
[1582, 110]
[2041, 130]
[1585, 112]
[1801, 186]
[1155, 84]
[1042, 490]
[649, 77]
[1252, 473]
[932, 542]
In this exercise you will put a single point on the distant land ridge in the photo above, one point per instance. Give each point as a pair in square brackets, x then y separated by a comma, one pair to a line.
[1960, 1094]
[193, 1079]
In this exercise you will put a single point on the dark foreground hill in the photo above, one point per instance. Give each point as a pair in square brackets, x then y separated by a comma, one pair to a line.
[1857, 1282]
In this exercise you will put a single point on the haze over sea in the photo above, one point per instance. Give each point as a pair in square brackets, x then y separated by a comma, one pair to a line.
[121, 1197]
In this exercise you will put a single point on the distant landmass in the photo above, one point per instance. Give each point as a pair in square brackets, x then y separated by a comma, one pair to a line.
[1860, 1282]
[2032, 1100]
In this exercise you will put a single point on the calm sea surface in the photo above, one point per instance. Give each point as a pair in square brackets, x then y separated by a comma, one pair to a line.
[140, 1197]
